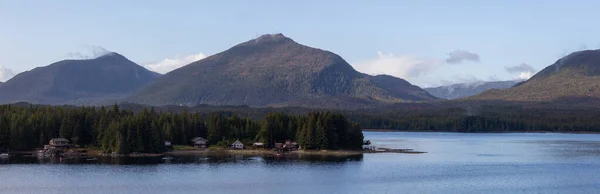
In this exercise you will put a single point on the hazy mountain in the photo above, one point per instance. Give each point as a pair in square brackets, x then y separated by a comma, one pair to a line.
[468, 89]
[576, 76]
[274, 70]
[110, 76]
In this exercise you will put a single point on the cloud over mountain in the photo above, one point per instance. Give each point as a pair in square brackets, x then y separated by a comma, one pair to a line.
[88, 52]
[403, 66]
[459, 56]
[5, 74]
[169, 64]
[522, 71]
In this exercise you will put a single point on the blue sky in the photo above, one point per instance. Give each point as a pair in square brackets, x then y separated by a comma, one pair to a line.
[409, 39]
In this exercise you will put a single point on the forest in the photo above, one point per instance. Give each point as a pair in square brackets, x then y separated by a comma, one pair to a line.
[136, 128]
[118, 130]
[451, 116]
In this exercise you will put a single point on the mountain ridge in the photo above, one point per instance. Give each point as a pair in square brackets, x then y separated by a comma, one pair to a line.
[575, 76]
[462, 90]
[272, 70]
[77, 81]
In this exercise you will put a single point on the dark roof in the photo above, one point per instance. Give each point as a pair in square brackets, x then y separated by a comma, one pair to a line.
[60, 139]
[198, 139]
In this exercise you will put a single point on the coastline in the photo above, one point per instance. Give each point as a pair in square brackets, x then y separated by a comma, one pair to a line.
[92, 153]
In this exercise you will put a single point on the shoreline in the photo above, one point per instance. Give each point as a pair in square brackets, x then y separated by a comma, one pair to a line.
[249, 152]
[223, 151]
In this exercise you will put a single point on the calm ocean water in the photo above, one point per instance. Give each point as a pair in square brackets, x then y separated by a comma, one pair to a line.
[455, 163]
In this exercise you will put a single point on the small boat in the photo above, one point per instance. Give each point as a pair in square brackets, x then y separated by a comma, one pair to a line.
[4, 155]
[167, 158]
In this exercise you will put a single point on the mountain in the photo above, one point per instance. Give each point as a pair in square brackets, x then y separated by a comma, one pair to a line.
[274, 70]
[89, 81]
[468, 89]
[575, 76]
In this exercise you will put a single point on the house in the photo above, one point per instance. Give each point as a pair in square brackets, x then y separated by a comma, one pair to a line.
[60, 143]
[258, 145]
[290, 145]
[168, 145]
[237, 145]
[199, 142]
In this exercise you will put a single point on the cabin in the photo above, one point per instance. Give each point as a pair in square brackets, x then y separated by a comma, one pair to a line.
[289, 145]
[279, 145]
[60, 143]
[237, 145]
[258, 145]
[168, 145]
[199, 142]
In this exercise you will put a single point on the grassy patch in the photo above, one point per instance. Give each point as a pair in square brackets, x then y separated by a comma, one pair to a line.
[184, 147]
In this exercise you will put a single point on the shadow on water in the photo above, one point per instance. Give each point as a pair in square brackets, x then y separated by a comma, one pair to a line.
[203, 159]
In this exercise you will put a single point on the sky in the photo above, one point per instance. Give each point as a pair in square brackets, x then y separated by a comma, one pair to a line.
[428, 43]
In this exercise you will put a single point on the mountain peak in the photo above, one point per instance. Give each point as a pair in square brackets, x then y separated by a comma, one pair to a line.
[268, 39]
[111, 55]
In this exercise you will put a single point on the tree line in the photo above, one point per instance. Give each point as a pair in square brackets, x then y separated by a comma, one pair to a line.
[117, 130]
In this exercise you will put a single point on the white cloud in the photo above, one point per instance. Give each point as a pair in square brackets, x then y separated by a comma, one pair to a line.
[403, 66]
[5, 74]
[170, 64]
[524, 75]
[522, 71]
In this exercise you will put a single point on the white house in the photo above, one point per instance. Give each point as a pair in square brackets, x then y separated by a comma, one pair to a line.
[237, 145]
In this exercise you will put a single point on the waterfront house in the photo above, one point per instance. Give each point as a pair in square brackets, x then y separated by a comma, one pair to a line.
[168, 145]
[290, 145]
[237, 145]
[60, 143]
[199, 142]
[258, 145]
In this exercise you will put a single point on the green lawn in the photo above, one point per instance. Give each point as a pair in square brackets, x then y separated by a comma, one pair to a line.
[184, 147]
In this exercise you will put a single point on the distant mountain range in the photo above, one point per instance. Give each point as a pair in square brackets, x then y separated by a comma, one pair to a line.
[90, 81]
[274, 70]
[575, 76]
[468, 89]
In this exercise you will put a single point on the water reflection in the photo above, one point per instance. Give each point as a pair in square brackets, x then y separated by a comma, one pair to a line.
[200, 159]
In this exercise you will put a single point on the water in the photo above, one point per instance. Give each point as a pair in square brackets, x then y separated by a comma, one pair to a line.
[455, 163]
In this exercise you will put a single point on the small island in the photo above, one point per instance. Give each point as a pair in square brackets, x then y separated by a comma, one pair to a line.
[98, 131]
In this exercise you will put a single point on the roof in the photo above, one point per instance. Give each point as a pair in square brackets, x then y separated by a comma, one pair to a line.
[237, 142]
[198, 139]
[60, 139]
